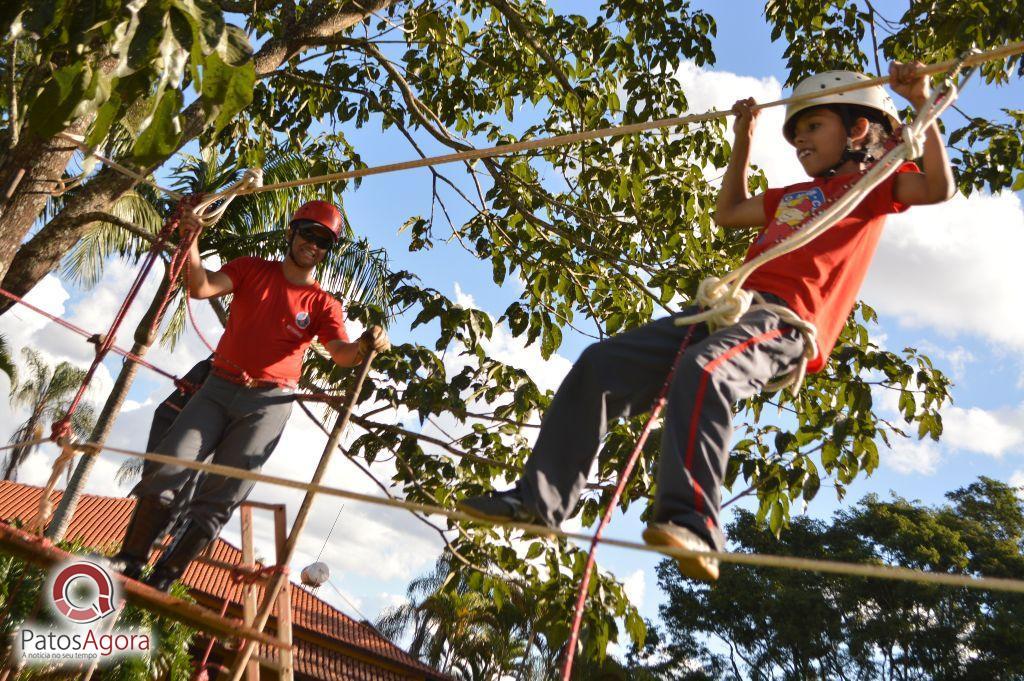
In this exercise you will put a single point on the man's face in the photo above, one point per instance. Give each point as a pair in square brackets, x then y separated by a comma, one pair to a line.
[310, 245]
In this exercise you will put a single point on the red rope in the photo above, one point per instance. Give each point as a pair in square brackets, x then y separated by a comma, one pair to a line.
[581, 597]
[62, 428]
[131, 356]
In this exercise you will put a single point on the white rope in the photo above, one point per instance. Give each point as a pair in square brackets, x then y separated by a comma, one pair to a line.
[79, 141]
[724, 301]
[752, 559]
[212, 208]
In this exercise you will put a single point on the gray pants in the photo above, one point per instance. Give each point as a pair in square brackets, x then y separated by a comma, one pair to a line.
[239, 426]
[623, 375]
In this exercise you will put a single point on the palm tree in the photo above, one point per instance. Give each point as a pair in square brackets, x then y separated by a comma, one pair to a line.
[7, 363]
[46, 393]
[458, 629]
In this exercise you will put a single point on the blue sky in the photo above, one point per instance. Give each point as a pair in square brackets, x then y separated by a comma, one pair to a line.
[944, 280]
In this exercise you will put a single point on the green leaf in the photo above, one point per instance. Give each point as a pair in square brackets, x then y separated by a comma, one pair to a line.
[159, 139]
[52, 110]
[234, 47]
[226, 90]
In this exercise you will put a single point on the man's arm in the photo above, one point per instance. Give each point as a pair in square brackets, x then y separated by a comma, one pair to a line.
[347, 354]
[202, 283]
[936, 184]
[734, 207]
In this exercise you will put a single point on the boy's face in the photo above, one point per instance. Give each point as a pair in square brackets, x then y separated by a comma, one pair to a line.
[820, 138]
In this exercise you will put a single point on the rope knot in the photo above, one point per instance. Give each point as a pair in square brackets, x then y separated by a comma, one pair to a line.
[914, 139]
[725, 306]
[61, 432]
[185, 387]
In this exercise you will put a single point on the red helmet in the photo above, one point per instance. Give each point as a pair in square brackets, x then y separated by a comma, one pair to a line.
[322, 213]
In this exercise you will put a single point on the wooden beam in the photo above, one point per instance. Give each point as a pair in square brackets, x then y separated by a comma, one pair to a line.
[42, 552]
[284, 600]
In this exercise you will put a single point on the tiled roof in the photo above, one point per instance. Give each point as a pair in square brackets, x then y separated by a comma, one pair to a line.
[100, 522]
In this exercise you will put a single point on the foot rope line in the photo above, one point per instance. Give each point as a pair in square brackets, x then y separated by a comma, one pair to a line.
[751, 559]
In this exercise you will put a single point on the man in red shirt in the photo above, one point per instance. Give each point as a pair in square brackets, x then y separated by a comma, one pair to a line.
[239, 413]
[834, 137]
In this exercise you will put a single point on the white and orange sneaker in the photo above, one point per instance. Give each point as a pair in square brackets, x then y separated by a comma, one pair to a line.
[702, 568]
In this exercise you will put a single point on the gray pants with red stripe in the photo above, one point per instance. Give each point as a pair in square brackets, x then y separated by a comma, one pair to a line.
[623, 375]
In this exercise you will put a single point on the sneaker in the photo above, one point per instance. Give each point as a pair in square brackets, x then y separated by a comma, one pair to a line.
[500, 507]
[702, 568]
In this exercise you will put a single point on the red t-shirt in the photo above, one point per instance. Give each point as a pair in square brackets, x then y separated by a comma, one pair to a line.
[820, 281]
[273, 321]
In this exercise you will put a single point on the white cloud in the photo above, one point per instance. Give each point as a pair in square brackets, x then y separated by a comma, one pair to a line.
[504, 347]
[1017, 480]
[706, 90]
[908, 457]
[954, 268]
[987, 432]
[635, 586]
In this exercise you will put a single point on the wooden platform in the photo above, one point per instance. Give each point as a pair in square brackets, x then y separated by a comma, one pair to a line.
[32, 548]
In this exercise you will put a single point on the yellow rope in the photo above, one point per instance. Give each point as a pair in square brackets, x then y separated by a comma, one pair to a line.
[752, 559]
[25, 443]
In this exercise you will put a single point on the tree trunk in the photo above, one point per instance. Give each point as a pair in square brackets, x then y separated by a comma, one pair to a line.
[25, 184]
[41, 254]
[145, 334]
[22, 268]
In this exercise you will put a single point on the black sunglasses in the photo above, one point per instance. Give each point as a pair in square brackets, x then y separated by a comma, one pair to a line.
[314, 233]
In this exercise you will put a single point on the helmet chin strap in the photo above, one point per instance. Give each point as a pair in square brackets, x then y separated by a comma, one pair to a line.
[849, 154]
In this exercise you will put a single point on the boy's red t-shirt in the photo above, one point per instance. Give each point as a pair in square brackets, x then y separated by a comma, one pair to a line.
[820, 281]
[273, 321]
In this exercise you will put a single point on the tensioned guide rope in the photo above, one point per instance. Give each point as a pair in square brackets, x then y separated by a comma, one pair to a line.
[751, 559]
[1002, 52]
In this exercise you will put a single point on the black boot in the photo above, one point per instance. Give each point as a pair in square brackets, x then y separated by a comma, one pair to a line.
[187, 545]
[148, 524]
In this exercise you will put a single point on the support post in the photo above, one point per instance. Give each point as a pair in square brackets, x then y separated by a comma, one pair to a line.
[284, 601]
[252, 671]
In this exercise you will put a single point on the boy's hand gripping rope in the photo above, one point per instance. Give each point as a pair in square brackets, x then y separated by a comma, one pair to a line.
[724, 301]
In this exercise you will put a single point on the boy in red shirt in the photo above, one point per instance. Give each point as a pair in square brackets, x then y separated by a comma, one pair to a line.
[241, 409]
[835, 137]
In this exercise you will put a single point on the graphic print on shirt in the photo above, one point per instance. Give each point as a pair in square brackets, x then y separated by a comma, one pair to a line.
[792, 210]
[298, 326]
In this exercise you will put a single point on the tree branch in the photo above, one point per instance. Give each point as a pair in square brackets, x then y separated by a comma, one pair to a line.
[516, 22]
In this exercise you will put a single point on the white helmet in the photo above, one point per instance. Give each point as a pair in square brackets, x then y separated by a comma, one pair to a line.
[874, 97]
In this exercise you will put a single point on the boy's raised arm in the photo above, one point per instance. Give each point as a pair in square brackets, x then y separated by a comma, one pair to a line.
[734, 206]
[936, 184]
